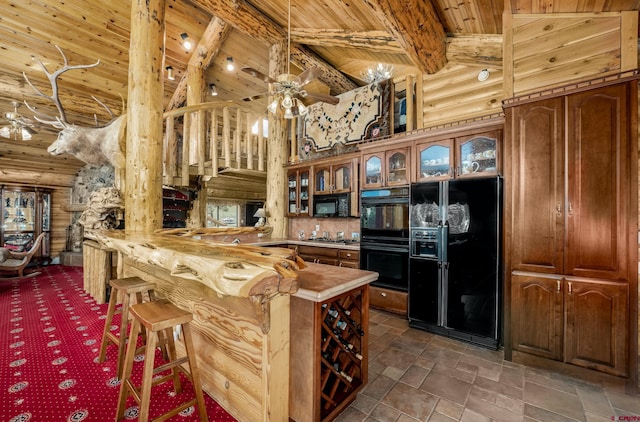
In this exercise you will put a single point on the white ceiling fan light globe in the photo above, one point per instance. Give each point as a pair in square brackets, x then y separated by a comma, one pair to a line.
[287, 113]
[287, 101]
[302, 110]
[273, 107]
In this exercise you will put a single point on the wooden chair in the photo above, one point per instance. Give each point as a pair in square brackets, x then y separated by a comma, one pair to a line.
[17, 261]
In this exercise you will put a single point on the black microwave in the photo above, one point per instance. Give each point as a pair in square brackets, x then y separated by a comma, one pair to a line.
[338, 205]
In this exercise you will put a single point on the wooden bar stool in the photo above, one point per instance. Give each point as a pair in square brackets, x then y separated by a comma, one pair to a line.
[159, 318]
[128, 287]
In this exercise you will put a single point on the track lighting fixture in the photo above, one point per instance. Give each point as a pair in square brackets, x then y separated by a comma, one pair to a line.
[230, 65]
[170, 75]
[186, 42]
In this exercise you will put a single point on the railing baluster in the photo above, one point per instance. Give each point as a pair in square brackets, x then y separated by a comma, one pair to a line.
[214, 142]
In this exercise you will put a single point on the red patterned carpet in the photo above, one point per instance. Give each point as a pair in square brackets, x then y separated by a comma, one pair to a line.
[50, 332]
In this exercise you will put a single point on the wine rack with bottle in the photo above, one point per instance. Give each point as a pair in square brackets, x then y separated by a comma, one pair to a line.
[339, 341]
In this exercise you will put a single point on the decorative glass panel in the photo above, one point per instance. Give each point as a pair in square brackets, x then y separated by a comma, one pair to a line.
[434, 161]
[373, 170]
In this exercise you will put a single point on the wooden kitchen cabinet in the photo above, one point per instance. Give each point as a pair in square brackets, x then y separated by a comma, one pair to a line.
[389, 300]
[573, 241]
[299, 192]
[386, 167]
[474, 154]
[334, 177]
[588, 316]
[330, 256]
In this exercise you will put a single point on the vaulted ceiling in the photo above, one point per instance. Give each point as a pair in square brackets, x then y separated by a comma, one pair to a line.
[343, 37]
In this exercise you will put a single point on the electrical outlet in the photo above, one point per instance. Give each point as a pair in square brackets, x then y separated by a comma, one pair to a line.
[317, 227]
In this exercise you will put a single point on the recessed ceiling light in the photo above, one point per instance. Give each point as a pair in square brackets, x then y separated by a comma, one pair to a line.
[230, 65]
[483, 75]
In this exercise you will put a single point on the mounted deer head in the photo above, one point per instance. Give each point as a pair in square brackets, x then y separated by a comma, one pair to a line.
[98, 145]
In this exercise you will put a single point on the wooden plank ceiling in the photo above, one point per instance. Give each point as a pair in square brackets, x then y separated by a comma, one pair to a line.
[345, 38]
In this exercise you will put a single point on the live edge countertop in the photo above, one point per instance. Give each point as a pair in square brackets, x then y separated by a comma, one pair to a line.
[321, 244]
[320, 282]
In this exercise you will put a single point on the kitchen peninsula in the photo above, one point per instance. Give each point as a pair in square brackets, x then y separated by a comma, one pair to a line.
[249, 304]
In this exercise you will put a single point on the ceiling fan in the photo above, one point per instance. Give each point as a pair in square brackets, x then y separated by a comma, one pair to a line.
[288, 89]
[19, 127]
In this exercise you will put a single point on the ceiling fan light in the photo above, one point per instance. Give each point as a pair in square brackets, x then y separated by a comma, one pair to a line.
[5, 131]
[287, 113]
[287, 101]
[302, 110]
[26, 134]
[273, 107]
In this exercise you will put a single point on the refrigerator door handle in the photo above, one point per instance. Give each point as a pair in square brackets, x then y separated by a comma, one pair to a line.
[444, 298]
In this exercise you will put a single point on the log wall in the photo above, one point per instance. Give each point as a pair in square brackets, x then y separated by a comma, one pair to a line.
[555, 49]
[244, 369]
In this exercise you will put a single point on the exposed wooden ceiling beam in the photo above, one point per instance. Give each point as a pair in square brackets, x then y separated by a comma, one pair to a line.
[207, 49]
[476, 49]
[374, 40]
[249, 20]
[417, 28]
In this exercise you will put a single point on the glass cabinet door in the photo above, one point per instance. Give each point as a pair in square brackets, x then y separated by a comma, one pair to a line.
[322, 180]
[434, 161]
[298, 192]
[477, 155]
[304, 192]
[19, 211]
[46, 212]
[341, 178]
[397, 168]
[372, 170]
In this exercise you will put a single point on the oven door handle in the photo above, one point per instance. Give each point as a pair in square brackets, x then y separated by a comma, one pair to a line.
[384, 248]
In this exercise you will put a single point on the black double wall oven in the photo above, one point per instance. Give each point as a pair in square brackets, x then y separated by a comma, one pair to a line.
[384, 236]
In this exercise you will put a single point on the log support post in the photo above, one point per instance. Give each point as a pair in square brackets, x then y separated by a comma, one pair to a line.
[277, 150]
[143, 193]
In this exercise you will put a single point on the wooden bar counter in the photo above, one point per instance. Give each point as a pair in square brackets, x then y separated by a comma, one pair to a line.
[250, 306]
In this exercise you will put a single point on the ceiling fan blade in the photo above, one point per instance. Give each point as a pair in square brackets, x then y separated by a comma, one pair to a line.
[308, 75]
[320, 97]
[259, 75]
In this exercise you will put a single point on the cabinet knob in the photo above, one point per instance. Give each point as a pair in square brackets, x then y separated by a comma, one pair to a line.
[570, 284]
[348, 255]
[383, 294]
[558, 286]
[559, 209]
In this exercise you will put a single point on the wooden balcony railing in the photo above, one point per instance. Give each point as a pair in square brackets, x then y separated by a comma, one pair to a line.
[219, 136]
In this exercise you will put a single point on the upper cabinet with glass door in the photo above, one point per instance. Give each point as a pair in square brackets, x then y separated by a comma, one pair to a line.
[298, 192]
[477, 155]
[385, 168]
[335, 177]
[434, 160]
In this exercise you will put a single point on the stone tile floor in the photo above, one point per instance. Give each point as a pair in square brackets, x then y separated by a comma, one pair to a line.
[419, 376]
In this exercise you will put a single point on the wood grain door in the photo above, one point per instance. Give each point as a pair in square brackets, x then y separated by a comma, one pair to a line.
[538, 186]
[598, 183]
[537, 314]
[597, 325]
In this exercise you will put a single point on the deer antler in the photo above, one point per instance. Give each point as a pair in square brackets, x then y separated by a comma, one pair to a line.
[53, 80]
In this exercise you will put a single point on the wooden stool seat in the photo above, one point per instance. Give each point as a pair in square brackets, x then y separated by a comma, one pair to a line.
[159, 318]
[127, 287]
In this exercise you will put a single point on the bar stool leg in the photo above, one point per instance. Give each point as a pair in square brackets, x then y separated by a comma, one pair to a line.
[122, 343]
[172, 355]
[125, 387]
[147, 377]
[107, 325]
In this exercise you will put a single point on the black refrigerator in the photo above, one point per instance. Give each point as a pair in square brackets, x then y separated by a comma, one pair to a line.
[455, 259]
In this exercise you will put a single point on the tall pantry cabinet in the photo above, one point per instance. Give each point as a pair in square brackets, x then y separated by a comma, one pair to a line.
[571, 209]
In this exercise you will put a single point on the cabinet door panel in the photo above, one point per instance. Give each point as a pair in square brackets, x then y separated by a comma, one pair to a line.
[598, 183]
[597, 325]
[538, 186]
[536, 315]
